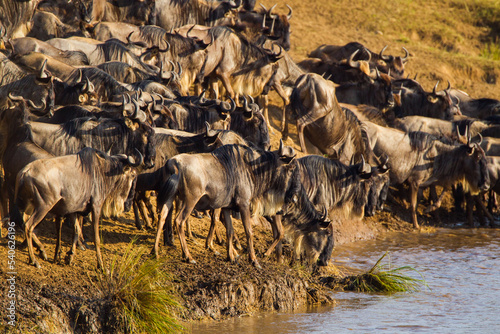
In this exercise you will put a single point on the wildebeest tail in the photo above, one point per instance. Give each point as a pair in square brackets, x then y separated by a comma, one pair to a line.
[168, 190]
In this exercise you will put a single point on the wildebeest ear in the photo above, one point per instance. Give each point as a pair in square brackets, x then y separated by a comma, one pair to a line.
[432, 99]
[130, 124]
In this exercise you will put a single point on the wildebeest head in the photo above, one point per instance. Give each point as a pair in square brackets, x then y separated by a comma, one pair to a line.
[249, 122]
[277, 26]
[442, 104]
[393, 65]
[143, 135]
[474, 166]
[82, 92]
[383, 91]
[122, 173]
[379, 187]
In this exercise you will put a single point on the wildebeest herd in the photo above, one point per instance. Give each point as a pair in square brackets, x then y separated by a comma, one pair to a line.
[104, 102]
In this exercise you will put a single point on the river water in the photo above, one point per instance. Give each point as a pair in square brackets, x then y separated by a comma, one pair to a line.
[460, 266]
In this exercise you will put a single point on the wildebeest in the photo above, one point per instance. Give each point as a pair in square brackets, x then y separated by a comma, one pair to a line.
[117, 136]
[232, 177]
[422, 160]
[335, 131]
[476, 108]
[331, 186]
[15, 16]
[376, 92]
[416, 101]
[25, 45]
[88, 181]
[384, 63]
[171, 14]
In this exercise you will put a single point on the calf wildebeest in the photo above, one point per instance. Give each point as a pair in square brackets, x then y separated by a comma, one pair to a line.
[232, 177]
[422, 160]
[88, 181]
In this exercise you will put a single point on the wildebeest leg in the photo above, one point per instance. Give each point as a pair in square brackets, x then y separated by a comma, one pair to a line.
[264, 102]
[58, 225]
[469, 208]
[165, 209]
[96, 213]
[480, 206]
[137, 217]
[77, 221]
[144, 213]
[168, 233]
[281, 92]
[189, 233]
[214, 216]
[231, 252]
[413, 203]
[184, 211]
[277, 227]
[436, 200]
[224, 77]
[37, 216]
[304, 121]
[247, 224]
[151, 210]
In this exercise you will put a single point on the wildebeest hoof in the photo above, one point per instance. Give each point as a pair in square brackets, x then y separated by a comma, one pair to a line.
[23, 245]
[43, 255]
[192, 261]
[256, 265]
[36, 264]
[69, 258]
[216, 253]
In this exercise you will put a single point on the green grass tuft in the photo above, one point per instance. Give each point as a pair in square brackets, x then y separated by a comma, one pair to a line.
[381, 278]
[139, 293]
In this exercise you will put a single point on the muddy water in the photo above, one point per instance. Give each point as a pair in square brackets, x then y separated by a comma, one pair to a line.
[461, 267]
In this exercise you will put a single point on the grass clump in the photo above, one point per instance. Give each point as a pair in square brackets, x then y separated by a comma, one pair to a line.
[138, 293]
[381, 278]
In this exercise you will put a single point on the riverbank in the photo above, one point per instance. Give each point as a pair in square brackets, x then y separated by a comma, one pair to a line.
[63, 299]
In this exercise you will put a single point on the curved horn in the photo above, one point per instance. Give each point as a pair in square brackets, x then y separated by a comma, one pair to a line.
[480, 139]
[180, 69]
[270, 12]
[136, 109]
[189, 30]
[381, 54]
[87, 85]
[128, 38]
[245, 105]
[15, 97]
[280, 149]
[362, 166]
[134, 163]
[324, 214]
[290, 11]
[449, 86]
[377, 72]
[42, 70]
[35, 107]
[263, 7]
[80, 76]
[166, 49]
[435, 87]
[406, 54]
[231, 109]
[352, 63]
[263, 21]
